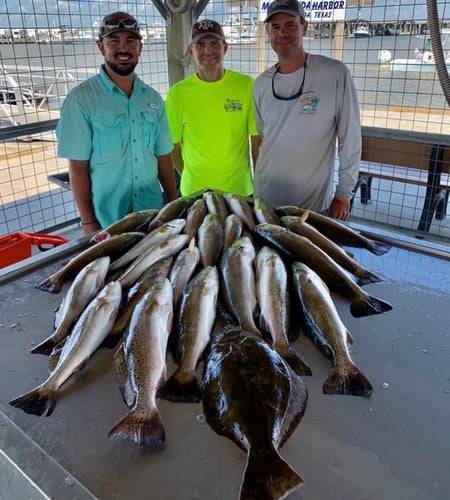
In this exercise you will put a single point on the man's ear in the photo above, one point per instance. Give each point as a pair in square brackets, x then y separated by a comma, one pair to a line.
[101, 47]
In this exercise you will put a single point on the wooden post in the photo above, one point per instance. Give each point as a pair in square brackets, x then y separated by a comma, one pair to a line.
[338, 40]
[178, 37]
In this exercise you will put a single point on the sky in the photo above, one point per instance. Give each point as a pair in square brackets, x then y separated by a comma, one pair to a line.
[85, 13]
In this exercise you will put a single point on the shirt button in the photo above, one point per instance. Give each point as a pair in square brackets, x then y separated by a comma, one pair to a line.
[135, 159]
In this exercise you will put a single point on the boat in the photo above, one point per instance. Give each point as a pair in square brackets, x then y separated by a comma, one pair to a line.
[422, 62]
[240, 29]
[31, 94]
[362, 31]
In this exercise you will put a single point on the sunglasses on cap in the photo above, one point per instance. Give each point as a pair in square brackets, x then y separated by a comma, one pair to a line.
[117, 24]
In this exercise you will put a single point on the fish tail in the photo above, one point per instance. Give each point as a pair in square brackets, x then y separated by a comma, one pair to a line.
[148, 430]
[184, 389]
[366, 277]
[379, 248]
[353, 382]
[295, 361]
[51, 285]
[45, 347]
[38, 402]
[268, 477]
[367, 305]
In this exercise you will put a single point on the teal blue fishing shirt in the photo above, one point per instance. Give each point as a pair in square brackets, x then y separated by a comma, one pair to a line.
[121, 138]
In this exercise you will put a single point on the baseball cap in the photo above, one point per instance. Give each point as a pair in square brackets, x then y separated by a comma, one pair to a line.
[119, 21]
[206, 27]
[287, 6]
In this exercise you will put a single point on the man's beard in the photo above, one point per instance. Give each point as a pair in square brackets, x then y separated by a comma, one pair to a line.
[122, 69]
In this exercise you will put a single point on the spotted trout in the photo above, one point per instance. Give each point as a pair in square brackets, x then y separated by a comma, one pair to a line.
[274, 304]
[88, 333]
[340, 233]
[140, 365]
[345, 377]
[86, 285]
[301, 227]
[192, 330]
[299, 248]
[112, 247]
[238, 282]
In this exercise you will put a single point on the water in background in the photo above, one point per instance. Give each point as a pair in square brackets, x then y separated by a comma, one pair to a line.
[376, 85]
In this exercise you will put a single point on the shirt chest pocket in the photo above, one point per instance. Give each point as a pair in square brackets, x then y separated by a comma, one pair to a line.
[150, 128]
[109, 135]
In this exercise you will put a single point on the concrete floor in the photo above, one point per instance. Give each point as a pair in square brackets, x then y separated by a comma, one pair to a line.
[393, 446]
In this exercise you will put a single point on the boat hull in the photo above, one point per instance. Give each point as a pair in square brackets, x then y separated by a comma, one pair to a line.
[413, 65]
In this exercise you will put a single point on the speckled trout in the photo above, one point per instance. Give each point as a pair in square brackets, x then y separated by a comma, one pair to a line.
[141, 366]
[345, 377]
[88, 333]
[86, 285]
[274, 304]
[299, 248]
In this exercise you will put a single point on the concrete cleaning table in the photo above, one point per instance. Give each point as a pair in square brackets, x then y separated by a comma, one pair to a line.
[392, 446]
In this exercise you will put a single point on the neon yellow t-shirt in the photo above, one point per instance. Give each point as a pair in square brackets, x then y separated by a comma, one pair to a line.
[213, 121]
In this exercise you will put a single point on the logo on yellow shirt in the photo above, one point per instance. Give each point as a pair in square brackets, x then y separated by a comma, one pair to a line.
[232, 105]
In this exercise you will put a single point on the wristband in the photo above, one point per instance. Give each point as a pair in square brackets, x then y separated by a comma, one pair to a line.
[89, 222]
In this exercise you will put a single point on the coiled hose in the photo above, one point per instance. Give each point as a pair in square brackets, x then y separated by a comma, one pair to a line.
[436, 43]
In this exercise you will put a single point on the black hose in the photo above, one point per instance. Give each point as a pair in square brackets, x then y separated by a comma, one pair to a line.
[438, 53]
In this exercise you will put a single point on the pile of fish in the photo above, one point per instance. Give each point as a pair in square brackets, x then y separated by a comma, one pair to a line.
[223, 280]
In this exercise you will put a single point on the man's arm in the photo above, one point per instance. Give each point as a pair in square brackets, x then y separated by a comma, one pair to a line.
[166, 176]
[80, 183]
[349, 149]
[255, 142]
[177, 157]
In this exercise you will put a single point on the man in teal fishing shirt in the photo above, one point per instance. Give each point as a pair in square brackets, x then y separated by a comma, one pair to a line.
[113, 129]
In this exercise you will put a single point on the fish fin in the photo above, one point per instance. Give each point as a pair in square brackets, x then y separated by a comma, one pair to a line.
[379, 248]
[349, 338]
[181, 389]
[295, 361]
[353, 383]
[268, 477]
[55, 355]
[304, 215]
[350, 254]
[51, 285]
[45, 347]
[142, 430]
[368, 306]
[38, 402]
[367, 277]
[123, 378]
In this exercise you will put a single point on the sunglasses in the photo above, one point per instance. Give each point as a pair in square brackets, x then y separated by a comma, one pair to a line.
[292, 97]
[116, 24]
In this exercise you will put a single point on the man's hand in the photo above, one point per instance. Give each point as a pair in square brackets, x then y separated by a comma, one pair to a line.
[339, 208]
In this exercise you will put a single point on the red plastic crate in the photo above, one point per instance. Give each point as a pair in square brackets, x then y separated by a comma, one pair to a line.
[17, 246]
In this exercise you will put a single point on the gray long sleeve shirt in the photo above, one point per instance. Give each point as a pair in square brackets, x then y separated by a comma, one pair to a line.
[297, 156]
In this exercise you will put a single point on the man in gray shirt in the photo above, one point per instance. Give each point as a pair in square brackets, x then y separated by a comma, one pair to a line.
[303, 104]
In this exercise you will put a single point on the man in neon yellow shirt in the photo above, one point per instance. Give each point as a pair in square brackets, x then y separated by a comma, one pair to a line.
[211, 119]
